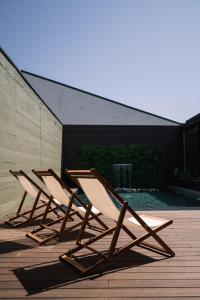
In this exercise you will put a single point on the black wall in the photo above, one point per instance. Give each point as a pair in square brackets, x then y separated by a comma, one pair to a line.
[170, 137]
[192, 147]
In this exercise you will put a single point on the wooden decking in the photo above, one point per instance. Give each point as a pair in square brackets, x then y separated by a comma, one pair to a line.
[31, 271]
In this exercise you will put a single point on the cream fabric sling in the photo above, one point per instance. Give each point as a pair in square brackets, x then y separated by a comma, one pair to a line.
[40, 201]
[74, 207]
[62, 195]
[100, 198]
[29, 187]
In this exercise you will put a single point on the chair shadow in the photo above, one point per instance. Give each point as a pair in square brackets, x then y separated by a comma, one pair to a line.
[43, 277]
[66, 237]
[72, 235]
[7, 246]
[31, 223]
[11, 246]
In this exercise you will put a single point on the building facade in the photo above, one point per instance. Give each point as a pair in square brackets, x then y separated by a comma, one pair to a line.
[91, 119]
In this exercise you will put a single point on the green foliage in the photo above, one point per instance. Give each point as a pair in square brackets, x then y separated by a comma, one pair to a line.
[147, 162]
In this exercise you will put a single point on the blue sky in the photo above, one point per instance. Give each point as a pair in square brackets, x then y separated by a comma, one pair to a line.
[144, 53]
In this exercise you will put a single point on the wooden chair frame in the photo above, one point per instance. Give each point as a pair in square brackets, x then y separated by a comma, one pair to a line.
[38, 203]
[113, 251]
[64, 220]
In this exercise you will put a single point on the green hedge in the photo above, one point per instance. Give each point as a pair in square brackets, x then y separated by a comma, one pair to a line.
[147, 162]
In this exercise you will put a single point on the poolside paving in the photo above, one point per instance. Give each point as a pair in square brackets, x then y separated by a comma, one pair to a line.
[31, 271]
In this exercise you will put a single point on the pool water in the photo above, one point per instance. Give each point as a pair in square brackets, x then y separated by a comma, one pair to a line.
[159, 200]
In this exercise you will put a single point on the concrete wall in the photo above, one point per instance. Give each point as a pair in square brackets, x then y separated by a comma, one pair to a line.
[30, 135]
[76, 107]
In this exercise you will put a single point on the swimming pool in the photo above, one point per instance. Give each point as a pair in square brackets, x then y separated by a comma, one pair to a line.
[160, 200]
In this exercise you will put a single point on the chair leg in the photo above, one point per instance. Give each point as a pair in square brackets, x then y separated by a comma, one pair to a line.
[29, 214]
[47, 210]
[139, 242]
[22, 202]
[84, 223]
[66, 217]
[56, 233]
[162, 243]
[69, 257]
[35, 204]
[118, 228]
[18, 215]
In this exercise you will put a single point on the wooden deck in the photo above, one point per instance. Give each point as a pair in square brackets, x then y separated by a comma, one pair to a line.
[31, 271]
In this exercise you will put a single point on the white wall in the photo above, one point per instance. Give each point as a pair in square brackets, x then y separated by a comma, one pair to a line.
[30, 136]
[78, 108]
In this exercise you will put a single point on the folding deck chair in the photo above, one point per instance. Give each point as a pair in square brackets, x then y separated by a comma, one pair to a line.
[41, 199]
[74, 206]
[99, 193]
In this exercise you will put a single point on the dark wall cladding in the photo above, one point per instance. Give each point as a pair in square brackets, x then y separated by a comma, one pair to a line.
[192, 135]
[170, 137]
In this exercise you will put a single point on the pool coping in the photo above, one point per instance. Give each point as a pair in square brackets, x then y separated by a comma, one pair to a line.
[183, 191]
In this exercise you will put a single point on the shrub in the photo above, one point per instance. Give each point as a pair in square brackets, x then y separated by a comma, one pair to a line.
[147, 161]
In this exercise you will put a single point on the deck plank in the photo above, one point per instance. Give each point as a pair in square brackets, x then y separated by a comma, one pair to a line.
[31, 271]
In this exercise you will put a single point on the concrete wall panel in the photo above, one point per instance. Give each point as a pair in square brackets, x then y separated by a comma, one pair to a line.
[30, 135]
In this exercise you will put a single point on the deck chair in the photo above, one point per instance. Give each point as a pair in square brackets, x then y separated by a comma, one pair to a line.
[41, 199]
[99, 193]
[74, 206]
